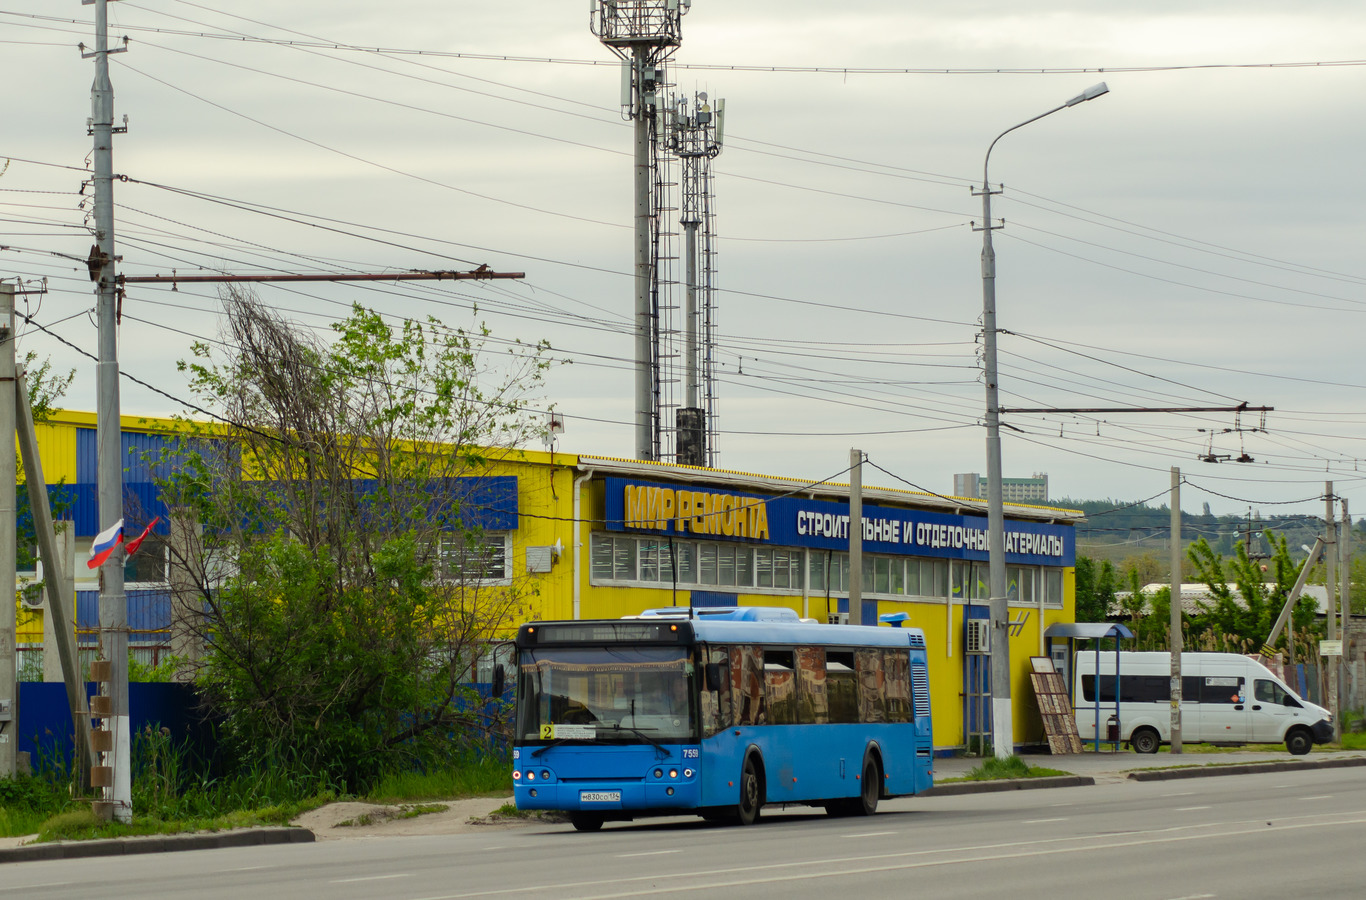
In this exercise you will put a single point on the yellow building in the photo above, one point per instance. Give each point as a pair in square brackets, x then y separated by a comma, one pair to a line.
[598, 537]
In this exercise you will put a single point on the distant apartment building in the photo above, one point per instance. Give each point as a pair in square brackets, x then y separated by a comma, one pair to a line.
[1013, 490]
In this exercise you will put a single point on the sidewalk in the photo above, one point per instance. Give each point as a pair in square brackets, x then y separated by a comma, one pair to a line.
[1099, 768]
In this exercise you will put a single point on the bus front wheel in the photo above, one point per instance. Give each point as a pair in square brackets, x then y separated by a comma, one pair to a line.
[585, 821]
[751, 794]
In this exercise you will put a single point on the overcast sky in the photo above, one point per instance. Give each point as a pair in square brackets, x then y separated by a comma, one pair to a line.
[1193, 238]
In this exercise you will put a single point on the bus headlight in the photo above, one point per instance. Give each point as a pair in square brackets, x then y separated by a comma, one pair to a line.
[687, 773]
[516, 775]
[673, 773]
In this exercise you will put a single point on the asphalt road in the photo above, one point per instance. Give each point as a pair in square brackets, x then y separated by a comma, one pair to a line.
[1300, 834]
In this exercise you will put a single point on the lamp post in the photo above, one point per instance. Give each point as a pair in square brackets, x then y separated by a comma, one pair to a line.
[1002, 721]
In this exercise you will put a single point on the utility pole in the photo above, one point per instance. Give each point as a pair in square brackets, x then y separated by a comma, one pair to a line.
[1345, 606]
[117, 800]
[1177, 639]
[1330, 583]
[9, 651]
[855, 537]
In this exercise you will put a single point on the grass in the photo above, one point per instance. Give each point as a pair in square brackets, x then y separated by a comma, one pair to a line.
[469, 776]
[174, 792]
[993, 769]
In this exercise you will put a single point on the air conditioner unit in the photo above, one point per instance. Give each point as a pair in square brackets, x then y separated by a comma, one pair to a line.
[979, 636]
[31, 596]
[838, 618]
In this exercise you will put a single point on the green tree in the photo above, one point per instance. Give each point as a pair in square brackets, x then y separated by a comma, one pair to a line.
[1095, 589]
[347, 591]
[1246, 596]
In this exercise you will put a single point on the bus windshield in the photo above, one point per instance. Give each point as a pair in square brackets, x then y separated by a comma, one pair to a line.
[630, 694]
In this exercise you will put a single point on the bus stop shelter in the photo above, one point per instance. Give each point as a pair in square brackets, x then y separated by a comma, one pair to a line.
[1098, 632]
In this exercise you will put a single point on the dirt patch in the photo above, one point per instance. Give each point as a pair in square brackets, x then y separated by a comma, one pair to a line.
[376, 820]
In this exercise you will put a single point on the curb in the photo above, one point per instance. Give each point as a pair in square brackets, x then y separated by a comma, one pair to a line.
[1008, 784]
[1245, 769]
[170, 843]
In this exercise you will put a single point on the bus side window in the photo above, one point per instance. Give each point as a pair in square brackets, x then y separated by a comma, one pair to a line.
[716, 706]
[841, 686]
[747, 684]
[813, 703]
[872, 689]
[780, 688]
[897, 666]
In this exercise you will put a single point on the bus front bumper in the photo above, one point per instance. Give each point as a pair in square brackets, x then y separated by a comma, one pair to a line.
[1323, 731]
[608, 796]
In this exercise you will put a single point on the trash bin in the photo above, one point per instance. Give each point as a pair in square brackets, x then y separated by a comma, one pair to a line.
[1112, 729]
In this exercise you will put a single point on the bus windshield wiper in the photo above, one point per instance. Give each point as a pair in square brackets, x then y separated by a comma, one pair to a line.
[643, 736]
[555, 743]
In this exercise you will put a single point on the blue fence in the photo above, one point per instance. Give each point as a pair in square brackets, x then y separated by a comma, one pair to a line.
[44, 727]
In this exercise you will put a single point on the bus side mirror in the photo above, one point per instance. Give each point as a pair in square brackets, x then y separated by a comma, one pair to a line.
[714, 677]
[499, 681]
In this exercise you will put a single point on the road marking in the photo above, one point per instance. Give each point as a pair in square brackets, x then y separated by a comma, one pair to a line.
[29, 887]
[368, 878]
[1189, 808]
[650, 853]
[870, 834]
[248, 868]
[1319, 797]
[1180, 794]
[1195, 897]
[1041, 821]
[904, 860]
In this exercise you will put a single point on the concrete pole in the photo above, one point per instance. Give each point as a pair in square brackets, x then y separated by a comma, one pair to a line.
[1002, 718]
[1330, 584]
[60, 627]
[63, 584]
[644, 269]
[187, 604]
[856, 538]
[9, 651]
[1177, 639]
[1345, 609]
[113, 601]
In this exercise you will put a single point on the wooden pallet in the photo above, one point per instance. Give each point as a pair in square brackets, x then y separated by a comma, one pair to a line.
[1056, 708]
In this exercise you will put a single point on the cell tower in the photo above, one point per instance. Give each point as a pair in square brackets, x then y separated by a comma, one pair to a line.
[695, 137]
[645, 33]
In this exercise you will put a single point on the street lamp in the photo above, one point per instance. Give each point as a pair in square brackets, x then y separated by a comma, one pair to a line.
[1002, 721]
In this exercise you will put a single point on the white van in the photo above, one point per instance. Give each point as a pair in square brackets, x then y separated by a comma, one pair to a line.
[1225, 698]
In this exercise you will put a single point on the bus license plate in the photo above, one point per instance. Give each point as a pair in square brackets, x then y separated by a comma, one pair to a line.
[600, 796]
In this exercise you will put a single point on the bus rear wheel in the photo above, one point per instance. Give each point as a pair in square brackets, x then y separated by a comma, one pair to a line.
[751, 794]
[585, 821]
[870, 789]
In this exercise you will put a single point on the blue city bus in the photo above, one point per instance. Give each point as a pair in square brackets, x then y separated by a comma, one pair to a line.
[717, 712]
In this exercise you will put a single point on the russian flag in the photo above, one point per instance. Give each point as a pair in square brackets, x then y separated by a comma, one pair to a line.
[104, 545]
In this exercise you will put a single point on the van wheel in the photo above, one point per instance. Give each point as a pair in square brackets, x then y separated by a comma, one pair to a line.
[751, 793]
[1299, 742]
[585, 821]
[1145, 740]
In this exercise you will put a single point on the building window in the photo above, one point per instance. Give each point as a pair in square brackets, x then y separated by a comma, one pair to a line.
[475, 557]
[1052, 587]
